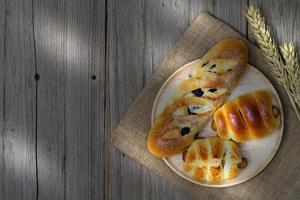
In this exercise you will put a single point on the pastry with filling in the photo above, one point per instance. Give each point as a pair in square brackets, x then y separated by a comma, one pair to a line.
[213, 160]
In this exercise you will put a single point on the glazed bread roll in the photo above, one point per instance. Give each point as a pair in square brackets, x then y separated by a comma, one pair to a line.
[212, 160]
[196, 98]
[250, 116]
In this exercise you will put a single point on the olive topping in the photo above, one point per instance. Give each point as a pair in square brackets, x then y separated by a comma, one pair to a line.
[223, 163]
[185, 130]
[213, 66]
[198, 92]
[212, 90]
[204, 64]
[189, 112]
[229, 70]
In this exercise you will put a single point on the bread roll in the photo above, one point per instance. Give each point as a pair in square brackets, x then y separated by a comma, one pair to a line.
[250, 116]
[212, 160]
[197, 98]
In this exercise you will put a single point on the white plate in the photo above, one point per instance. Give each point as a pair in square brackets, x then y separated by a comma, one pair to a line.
[258, 152]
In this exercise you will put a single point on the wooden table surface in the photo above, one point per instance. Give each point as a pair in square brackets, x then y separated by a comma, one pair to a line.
[70, 69]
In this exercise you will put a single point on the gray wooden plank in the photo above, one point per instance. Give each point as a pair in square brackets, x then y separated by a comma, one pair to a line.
[85, 108]
[18, 101]
[70, 38]
[140, 35]
[138, 39]
[50, 34]
[229, 11]
[164, 22]
[124, 37]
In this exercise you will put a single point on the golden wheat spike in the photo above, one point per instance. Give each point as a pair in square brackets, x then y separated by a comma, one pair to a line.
[286, 68]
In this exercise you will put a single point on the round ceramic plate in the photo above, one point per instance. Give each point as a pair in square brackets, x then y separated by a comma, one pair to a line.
[258, 152]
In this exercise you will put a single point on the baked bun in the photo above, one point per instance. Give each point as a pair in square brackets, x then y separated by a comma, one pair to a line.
[250, 116]
[212, 160]
[196, 98]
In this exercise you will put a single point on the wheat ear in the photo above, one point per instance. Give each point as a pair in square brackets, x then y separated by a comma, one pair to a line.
[286, 68]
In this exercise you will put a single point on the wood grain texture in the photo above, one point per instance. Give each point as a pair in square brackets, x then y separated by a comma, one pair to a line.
[138, 39]
[17, 92]
[70, 43]
[228, 11]
[50, 33]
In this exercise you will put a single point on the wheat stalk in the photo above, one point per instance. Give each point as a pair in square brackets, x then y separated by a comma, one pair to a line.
[291, 59]
[284, 66]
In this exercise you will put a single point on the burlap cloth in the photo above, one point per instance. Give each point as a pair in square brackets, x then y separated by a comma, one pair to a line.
[279, 180]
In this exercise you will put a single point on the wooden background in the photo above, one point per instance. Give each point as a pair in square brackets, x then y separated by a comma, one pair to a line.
[70, 69]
